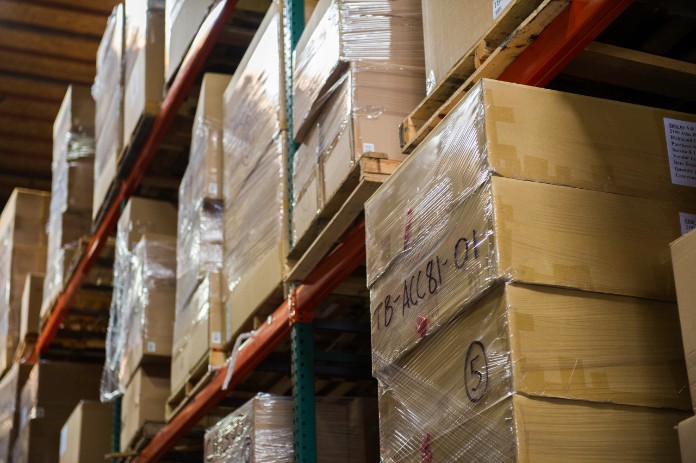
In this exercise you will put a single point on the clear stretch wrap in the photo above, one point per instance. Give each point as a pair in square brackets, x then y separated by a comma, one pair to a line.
[22, 250]
[72, 186]
[108, 97]
[361, 115]
[485, 198]
[154, 223]
[10, 394]
[262, 431]
[254, 175]
[343, 31]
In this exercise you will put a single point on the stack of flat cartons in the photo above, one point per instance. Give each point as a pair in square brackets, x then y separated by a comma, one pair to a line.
[108, 97]
[70, 215]
[254, 179]
[86, 436]
[22, 251]
[49, 396]
[262, 431]
[521, 284]
[10, 394]
[199, 321]
[358, 72]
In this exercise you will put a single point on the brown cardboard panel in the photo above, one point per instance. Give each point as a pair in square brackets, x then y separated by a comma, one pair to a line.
[32, 298]
[86, 436]
[687, 439]
[143, 401]
[147, 216]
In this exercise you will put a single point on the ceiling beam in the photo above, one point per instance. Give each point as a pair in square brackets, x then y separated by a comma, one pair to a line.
[38, 150]
[101, 7]
[46, 43]
[27, 87]
[16, 106]
[53, 18]
[17, 164]
[49, 68]
[25, 127]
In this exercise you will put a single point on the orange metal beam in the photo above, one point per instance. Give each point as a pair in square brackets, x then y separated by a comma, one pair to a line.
[580, 23]
[185, 78]
[329, 273]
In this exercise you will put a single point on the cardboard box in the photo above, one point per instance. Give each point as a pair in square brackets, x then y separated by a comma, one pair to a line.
[684, 263]
[86, 436]
[263, 431]
[524, 430]
[687, 443]
[144, 401]
[32, 298]
[340, 32]
[143, 215]
[143, 88]
[527, 133]
[183, 18]
[10, 396]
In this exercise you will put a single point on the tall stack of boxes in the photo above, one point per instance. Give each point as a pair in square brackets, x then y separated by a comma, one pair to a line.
[521, 286]
[10, 394]
[358, 72]
[70, 215]
[182, 20]
[30, 315]
[199, 322]
[86, 436]
[254, 190]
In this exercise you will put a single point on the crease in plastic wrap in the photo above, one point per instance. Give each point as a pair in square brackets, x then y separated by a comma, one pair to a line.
[254, 184]
[28, 410]
[262, 431]
[342, 31]
[144, 281]
[9, 406]
[70, 214]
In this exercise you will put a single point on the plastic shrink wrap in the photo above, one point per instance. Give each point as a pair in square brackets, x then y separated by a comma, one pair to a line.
[344, 31]
[473, 367]
[107, 92]
[49, 396]
[70, 215]
[10, 394]
[254, 177]
[143, 62]
[262, 431]
[141, 317]
[361, 115]
[22, 250]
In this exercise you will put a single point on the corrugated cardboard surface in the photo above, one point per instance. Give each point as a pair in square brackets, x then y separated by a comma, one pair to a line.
[144, 400]
[147, 215]
[183, 18]
[86, 436]
[32, 298]
[687, 439]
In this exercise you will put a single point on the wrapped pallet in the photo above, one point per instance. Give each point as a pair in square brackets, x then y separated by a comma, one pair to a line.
[198, 325]
[108, 97]
[143, 401]
[86, 436]
[344, 31]
[144, 292]
[143, 62]
[49, 396]
[22, 250]
[262, 431]
[182, 20]
[72, 186]
[10, 394]
[510, 262]
[254, 179]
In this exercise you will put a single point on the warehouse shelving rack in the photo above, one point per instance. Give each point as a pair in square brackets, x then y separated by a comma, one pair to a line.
[559, 44]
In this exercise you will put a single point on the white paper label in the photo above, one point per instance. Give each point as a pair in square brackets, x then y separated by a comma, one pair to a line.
[216, 337]
[368, 148]
[212, 189]
[499, 6]
[151, 346]
[63, 440]
[688, 222]
[681, 149]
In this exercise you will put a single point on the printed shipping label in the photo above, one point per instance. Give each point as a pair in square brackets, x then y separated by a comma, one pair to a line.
[499, 6]
[368, 147]
[216, 337]
[688, 222]
[151, 346]
[681, 150]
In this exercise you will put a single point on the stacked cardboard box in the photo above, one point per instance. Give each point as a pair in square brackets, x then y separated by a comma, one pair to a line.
[108, 97]
[351, 89]
[10, 394]
[143, 401]
[30, 313]
[49, 396]
[198, 325]
[262, 431]
[141, 318]
[254, 178]
[86, 436]
[72, 186]
[468, 247]
[22, 251]
[182, 20]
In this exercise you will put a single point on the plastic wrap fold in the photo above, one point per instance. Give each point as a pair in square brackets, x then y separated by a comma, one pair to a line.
[72, 185]
[10, 395]
[254, 175]
[262, 431]
[22, 251]
[343, 31]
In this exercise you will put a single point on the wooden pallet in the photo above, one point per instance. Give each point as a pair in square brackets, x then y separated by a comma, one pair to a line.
[201, 375]
[499, 47]
[339, 214]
